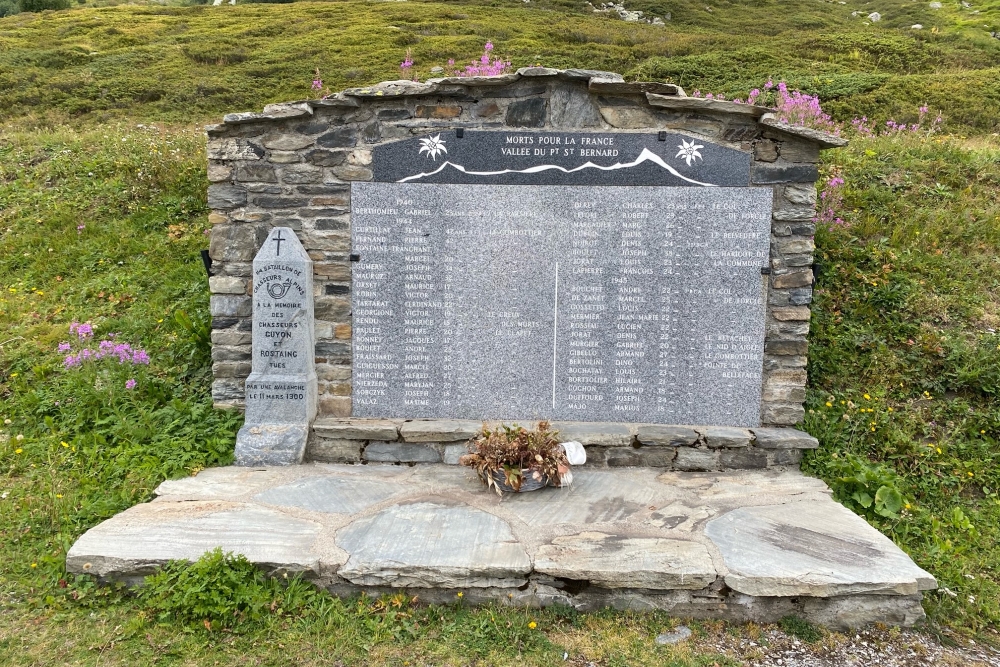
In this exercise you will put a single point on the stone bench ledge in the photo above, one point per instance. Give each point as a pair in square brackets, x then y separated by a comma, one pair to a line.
[597, 434]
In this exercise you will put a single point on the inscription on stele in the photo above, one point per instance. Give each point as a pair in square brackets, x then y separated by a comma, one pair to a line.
[612, 303]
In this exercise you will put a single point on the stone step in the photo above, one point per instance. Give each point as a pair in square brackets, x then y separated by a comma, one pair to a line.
[690, 448]
[752, 545]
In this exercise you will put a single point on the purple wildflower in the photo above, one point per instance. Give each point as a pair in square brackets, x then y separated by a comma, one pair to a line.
[79, 229]
[64, 347]
[130, 384]
[82, 330]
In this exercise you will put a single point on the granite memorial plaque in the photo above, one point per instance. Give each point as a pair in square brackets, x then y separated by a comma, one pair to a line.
[281, 388]
[559, 302]
[560, 158]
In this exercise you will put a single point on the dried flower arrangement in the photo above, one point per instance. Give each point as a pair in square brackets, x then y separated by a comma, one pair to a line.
[511, 458]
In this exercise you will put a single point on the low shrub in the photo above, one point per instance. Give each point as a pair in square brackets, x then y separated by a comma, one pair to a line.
[42, 5]
[223, 591]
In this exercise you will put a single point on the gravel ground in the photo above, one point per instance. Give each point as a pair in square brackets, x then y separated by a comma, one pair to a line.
[872, 647]
[879, 646]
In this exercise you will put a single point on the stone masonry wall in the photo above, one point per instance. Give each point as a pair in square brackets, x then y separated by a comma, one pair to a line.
[293, 165]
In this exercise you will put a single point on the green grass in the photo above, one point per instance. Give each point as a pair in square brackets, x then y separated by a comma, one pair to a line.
[185, 63]
[101, 108]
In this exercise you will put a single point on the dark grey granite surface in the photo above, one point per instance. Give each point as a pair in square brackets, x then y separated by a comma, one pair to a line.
[560, 158]
[625, 304]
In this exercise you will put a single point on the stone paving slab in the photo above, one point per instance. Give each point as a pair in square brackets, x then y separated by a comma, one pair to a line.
[740, 544]
[819, 549]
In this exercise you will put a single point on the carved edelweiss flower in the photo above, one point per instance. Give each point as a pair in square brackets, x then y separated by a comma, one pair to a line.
[688, 151]
[432, 146]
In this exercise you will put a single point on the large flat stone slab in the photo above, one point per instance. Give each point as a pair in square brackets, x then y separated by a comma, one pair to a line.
[595, 497]
[335, 495]
[613, 561]
[144, 537]
[819, 549]
[632, 539]
[428, 545]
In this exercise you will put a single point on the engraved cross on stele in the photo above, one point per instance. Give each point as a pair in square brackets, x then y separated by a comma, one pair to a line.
[278, 240]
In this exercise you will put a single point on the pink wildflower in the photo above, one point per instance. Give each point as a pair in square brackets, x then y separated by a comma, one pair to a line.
[130, 384]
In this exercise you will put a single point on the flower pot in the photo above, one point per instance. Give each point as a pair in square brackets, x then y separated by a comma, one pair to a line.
[528, 482]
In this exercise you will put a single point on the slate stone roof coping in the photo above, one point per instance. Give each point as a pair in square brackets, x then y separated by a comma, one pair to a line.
[702, 104]
[824, 139]
[658, 95]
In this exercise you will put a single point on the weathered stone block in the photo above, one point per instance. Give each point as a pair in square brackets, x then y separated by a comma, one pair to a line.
[280, 202]
[234, 353]
[801, 194]
[438, 111]
[226, 305]
[344, 137]
[255, 172]
[357, 429]
[527, 113]
[623, 456]
[792, 279]
[657, 457]
[786, 457]
[333, 450]
[695, 458]
[782, 413]
[765, 150]
[219, 172]
[650, 435]
[782, 347]
[226, 196]
[726, 436]
[452, 453]
[783, 393]
[231, 369]
[444, 430]
[229, 337]
[297, 174]
[324, 158]
[765, 174]
[743, 459]
[394, 114]
[795, 246]
[335, 406]
[784, 438]
[791, 313]
[233, 149]
[287, 141]
[285, 157]
[353, 173]
[332, 308]
[397, 452]
[227, 285]
[589, 433]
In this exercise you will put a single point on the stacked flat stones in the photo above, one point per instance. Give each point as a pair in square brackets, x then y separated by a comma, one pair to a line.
[293, 166]
[691, 448]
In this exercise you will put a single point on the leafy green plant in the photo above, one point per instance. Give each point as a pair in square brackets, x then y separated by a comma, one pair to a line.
[222, 591]
[800, 629]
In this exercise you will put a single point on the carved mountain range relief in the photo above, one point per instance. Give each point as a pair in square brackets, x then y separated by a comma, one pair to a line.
[561, 158]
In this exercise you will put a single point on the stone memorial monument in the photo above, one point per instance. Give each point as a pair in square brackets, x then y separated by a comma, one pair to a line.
[281, 388]
[632, 264]
[551, 244]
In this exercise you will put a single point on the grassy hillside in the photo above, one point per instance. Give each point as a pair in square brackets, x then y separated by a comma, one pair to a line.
[102, 214]
[184, 63]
